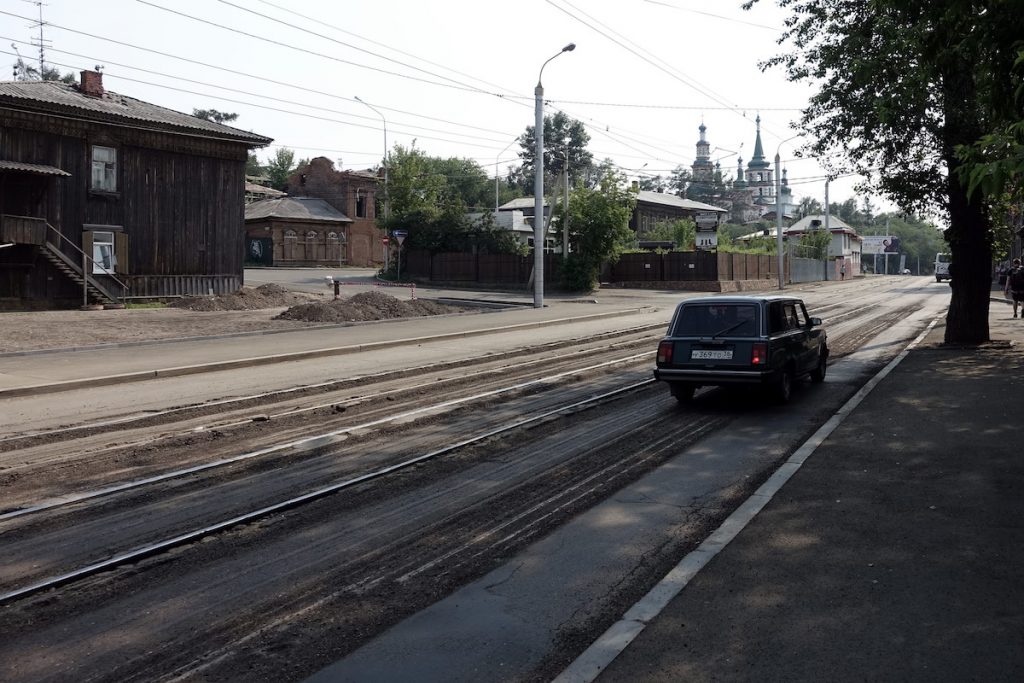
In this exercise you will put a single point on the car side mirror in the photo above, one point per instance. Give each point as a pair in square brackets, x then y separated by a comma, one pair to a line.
[815, 322]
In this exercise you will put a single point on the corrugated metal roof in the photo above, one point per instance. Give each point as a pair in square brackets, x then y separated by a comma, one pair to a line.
[306, 209]
[61, 98]
[32, 168]
[253, 188]
[519, 203]
[673, 200]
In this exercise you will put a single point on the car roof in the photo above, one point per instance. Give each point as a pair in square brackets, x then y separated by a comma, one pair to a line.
[705, 300]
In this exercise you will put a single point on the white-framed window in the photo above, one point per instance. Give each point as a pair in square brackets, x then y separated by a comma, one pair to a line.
[104, 261]
[104, 168]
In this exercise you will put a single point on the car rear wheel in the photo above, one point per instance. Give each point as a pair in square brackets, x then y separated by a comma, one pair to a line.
[784, 386]
[683, 391]
[818, 373]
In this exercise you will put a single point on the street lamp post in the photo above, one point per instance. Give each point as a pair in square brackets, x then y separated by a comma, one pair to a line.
[778, 209]
[386, 198]
[538, 185]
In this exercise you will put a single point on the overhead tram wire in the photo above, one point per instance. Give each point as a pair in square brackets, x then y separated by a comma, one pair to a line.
[388, 47]
[318, 35]
[247, 75]
[261, 79]
[266, 97]
[464, 88]
[673, 107]
[335, 40]
[285, 111]
[267, 40]
[716, 16]
[670, 70]
[510, 94]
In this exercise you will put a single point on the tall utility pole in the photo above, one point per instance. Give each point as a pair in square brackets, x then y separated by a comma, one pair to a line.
[565, 207]
[538, 185]
[779, 209]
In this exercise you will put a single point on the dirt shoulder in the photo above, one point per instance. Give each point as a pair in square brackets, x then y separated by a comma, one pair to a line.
[267, 308]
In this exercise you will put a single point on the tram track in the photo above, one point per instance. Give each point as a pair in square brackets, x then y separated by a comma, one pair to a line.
[190, 447]
[368, 521]
[421, 529]
[71, 529]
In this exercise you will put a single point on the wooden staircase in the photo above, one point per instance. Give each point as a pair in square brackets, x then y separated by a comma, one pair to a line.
[98, 294]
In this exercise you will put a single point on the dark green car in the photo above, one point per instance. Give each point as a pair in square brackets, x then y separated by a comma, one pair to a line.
[762, 341]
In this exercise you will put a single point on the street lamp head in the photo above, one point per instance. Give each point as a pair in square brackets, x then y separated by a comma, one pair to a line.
[569, 48]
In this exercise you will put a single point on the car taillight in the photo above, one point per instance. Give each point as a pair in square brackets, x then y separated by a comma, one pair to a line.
[665, 352]
[758, 354]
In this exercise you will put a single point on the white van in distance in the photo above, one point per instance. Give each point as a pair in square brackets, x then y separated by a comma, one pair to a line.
[942, 267]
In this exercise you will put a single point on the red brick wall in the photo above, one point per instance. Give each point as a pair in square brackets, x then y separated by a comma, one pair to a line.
[341, 189]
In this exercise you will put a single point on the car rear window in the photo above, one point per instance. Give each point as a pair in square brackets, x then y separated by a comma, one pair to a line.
[709, 320]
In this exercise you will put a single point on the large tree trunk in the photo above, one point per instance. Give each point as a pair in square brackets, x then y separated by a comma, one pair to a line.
[969, 233]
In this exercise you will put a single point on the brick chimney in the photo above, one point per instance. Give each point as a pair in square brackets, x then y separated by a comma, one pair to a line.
[92, 83]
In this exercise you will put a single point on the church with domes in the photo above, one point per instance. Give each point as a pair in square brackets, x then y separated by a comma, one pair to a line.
[751, 195]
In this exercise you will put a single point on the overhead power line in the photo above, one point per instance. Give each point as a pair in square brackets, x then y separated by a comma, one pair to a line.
[284, 111]
[321, 54]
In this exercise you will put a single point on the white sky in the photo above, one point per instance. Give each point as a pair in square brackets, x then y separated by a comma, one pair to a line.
[456, 76]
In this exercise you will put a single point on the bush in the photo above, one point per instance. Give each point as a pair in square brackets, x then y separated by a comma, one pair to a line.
[579, 274]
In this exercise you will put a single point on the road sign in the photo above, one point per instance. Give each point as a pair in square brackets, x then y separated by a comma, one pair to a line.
[385, 241]
[706, 218]
[707, 241]
[399, 235]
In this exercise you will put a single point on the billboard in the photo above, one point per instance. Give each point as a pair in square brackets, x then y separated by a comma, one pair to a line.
[880, 244]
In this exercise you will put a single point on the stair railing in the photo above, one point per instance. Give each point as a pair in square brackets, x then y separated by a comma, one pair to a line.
[86, 260]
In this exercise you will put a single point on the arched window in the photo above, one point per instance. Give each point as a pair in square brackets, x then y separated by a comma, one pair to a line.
[290, 238]
[336, 247]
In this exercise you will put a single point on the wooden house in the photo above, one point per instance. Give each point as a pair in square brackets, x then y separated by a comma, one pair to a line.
[150, 200]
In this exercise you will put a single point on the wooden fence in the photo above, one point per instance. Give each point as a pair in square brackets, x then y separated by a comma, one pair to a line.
[509, 269]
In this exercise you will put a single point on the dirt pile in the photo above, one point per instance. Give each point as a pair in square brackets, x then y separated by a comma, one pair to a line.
[269, 295]
[364, 306]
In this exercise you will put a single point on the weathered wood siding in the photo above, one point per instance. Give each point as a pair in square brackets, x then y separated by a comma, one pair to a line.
[179, 200]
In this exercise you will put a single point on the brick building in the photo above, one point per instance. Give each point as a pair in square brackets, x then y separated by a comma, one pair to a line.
[353, 194]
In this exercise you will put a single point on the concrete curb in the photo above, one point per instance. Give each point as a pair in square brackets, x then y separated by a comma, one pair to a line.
[588, 666]
[158, 373]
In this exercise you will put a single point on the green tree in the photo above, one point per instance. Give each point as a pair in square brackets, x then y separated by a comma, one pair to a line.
[431, 197]
[599, 229]
[680, 180]
[902, 85]
[654, 184]
[809, 206]
[23, 71]
[214, 115]
[682, 231]
[814, 244]
[253, 167]
[565, 141]
[279, 167]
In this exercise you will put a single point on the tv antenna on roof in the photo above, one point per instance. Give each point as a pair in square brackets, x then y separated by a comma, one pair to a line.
[41, 42]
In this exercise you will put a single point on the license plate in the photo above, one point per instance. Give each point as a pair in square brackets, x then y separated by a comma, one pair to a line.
[711, 355]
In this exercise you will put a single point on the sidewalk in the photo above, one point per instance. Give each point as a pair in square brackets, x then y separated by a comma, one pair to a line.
[41, 372]
[893, 553]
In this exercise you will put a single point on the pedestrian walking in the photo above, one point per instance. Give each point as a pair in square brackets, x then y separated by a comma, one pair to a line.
[842, 270]
[1014, 287]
